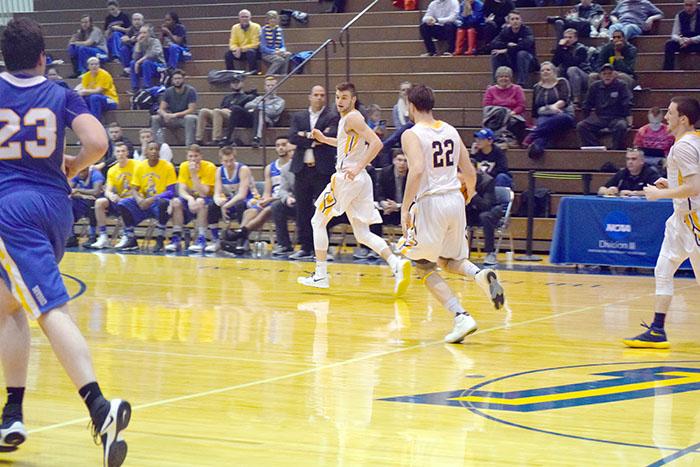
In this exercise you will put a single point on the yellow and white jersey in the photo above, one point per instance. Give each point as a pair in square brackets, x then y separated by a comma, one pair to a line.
[684, 160]
[440, 145]
[351, 147]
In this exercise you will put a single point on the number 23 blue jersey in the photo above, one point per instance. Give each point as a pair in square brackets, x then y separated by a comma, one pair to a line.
[34, 113]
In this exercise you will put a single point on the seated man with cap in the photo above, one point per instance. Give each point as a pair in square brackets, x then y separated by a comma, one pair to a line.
[219, 117]
[490, 159]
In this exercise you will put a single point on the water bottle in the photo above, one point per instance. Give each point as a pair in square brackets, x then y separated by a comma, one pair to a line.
[259, 249]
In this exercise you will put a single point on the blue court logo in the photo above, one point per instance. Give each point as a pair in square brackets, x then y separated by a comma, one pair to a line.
[617, 225]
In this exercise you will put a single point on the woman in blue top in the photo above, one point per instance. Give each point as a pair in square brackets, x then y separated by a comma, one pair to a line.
[470, 17]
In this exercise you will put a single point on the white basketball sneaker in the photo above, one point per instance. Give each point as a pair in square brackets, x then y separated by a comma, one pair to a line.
[402, 275]
[464, 325]
[314, 281]
[101, 243]
[487, 280]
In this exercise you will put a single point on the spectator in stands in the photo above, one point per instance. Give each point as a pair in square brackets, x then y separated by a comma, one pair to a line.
[504, 107]
[86, 187]
[552, 109]
[52, 74]
[631, 180]
[571, 57]
[490, 159]
[337, 7]
[654, 139]
[272, 45]
[178, 107]
[98, 90]
[471, 18]
[252, 114]
[195, 188]
[173, 36]
[514, 47]
[116, 135]
[312, 164]
[389, 189]
[118, 187]
[586, 18]
[634, 16]
[88, 42]
[128, 42]
[147, 60]
[685, 36]
[374, 120]
[483, 211]
[399, 112]
[285, 207]
[153, 185]
[495, 16]
[244, 43]
[117, 24]
[165, 153]
[219, 117]
[611, 100]
[621, 55]
[260, 208]
[439, 22]
[232, 191]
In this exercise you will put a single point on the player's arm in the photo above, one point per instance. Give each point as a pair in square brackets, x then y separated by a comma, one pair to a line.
[93, 192]
[359, 126]
[688, 163]
[184, 193]
[197, 184]
[467, 170]
[111, 193]
[416, 167]
[219, 197]
[267, 190]
[321, 138]
[93, 144]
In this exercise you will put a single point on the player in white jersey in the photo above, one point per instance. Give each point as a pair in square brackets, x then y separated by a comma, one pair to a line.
[350, 191]
[433, 216]
[682, 233]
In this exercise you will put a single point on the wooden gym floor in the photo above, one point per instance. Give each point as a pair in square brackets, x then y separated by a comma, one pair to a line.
[230, 362]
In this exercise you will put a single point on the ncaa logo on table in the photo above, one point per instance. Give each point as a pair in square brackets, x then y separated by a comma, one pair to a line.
[617, 225]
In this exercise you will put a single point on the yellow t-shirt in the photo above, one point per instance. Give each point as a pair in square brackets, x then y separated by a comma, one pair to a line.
[151, 181]
[120, 178]
[102, 80]
[206, 173]
[249, 39]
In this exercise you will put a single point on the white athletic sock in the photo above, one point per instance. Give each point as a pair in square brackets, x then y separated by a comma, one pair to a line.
[321, 268]
[454, 306]
[393, 261]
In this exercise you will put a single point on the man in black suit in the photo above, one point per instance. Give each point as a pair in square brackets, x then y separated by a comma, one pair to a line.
[313, 163]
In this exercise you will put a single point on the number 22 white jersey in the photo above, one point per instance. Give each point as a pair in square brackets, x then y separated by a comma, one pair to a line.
[440, 146]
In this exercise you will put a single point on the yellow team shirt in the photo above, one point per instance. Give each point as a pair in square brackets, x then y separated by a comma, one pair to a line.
[120, 178]
[151, 181]
[249, 39]
[206, 173]
[102, 80]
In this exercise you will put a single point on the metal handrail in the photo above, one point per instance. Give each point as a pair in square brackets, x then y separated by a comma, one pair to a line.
[345, 30]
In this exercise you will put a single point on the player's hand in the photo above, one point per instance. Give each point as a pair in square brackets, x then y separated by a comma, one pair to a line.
[69, 166]
[625, 193]
[192, 205]
[291, 201]
[318, 135]
[661, 182]
[405, 222]
[224, 213]
[351, 173]
[652, 193]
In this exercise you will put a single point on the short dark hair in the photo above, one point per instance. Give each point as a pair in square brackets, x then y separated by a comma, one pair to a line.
[114, 125]
[688, 107]
[227, 151]
[112, 3]
[422, 97]
[86, 16]
[178, 71]
[515, 12]
[174, 16]
[282, 137]
[119, 144]
[22, 44]
[347, 86]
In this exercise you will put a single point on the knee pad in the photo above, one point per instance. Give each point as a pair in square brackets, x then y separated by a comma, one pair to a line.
[424, 269]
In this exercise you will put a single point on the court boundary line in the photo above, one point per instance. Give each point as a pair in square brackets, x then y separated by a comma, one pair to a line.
[682, 452]
[351, 361]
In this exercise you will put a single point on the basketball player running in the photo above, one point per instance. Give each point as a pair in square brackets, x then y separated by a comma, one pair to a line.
[35, 220]
[433, 217]
[350, 191]
[682, 233]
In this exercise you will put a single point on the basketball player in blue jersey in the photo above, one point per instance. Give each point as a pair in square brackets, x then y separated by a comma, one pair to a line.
[35, 220]
[433, 217]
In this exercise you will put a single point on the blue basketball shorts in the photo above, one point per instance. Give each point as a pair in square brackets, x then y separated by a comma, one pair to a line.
[139, 215]
[34, 227]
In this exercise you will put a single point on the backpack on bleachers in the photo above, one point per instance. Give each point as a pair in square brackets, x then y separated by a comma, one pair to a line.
[223, 76]
[147, 99]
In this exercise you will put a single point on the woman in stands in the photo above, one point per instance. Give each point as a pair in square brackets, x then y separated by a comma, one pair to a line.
[552, 109]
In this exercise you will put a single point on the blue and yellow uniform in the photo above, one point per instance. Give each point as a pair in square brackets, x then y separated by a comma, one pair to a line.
[231, 186]
[119, 181]
[207, 176]
[158, 181]
[35, 210]
[275, 177]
